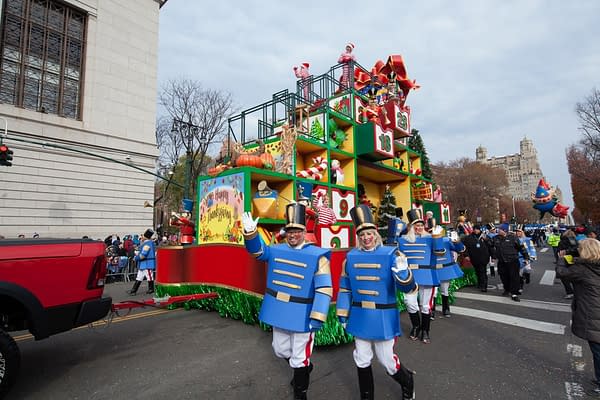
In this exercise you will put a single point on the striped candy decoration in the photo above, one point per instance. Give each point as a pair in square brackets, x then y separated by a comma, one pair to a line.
[316, 171]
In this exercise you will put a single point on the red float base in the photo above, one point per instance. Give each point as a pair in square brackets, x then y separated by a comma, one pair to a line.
[223, 265]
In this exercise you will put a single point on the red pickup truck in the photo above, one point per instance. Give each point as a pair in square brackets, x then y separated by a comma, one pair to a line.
[47, 286]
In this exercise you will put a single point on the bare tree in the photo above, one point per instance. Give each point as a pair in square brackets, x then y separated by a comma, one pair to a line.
[588, 113]
[204, 114]
[583, 159]
[473, 186]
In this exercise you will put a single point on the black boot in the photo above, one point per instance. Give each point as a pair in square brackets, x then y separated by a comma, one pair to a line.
[484, 283]
[365, 383]
[492, 273]
[301, 381]
[310, 368]
[446, 306]
[425, 322]
[134, 289]
[405, 378]
[150, 287]
[527, 276]
[416, 325]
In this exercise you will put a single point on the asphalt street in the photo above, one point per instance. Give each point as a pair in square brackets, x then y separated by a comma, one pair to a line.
[491, 348]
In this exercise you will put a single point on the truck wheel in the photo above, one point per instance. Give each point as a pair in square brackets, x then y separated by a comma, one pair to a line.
[10, 360]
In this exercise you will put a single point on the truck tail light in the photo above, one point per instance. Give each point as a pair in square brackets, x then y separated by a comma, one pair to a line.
[98, 274]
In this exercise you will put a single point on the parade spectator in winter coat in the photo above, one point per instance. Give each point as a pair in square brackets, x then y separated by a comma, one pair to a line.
[584, 273]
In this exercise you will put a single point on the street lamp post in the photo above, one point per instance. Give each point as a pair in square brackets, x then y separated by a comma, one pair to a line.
[188, 131]
[514, 212]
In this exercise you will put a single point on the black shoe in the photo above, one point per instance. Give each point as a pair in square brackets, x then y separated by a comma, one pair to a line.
[514, 297]
[414, 333]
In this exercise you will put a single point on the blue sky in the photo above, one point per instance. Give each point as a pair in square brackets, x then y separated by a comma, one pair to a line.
[491, 72]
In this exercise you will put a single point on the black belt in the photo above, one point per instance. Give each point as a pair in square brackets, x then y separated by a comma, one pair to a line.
[377, 306]
[287, 298]
[448, 264]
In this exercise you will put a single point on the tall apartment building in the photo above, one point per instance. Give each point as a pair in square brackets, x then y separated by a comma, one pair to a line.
[522, 169]
[78, 89]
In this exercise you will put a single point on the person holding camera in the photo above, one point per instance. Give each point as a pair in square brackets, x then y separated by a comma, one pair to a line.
[568, 245]
[583, 272]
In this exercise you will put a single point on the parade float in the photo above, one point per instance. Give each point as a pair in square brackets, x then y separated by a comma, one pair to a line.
[339, 139]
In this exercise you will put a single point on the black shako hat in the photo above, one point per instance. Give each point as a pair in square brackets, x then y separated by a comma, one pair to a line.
[414, 216]
[362, 217]
[399, 212]
[295, 216]
[149, 233]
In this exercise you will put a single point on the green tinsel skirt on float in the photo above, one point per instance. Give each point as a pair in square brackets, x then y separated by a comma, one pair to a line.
[242, 306]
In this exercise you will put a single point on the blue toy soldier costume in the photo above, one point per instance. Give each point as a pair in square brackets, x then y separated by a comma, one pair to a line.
[298, 292]
[366, 303]
[447, 269]
[146, 259]
[420, 249]
[396, 227]
[525, 265]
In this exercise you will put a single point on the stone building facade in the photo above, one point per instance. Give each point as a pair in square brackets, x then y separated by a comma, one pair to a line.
[78, 87]
[523, 170]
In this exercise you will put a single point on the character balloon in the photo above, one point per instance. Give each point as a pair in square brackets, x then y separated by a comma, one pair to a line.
[545, 201]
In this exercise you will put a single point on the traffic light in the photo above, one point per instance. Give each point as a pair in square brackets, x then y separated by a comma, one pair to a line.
[6, 155]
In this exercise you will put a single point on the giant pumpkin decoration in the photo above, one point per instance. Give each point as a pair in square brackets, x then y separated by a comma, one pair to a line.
[249, 160]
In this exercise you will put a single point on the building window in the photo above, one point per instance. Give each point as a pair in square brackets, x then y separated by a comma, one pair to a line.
[41, 63]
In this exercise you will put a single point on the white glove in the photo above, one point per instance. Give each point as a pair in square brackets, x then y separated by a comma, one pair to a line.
[401, 263]
[437, 230]
[248, 222]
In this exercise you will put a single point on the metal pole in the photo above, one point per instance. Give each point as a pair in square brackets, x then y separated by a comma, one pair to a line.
[514, 212]
[188, 161]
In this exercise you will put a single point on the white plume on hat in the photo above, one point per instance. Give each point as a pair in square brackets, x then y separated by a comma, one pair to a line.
[351, 45]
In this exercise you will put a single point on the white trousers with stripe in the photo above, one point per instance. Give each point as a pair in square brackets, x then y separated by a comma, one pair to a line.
[295, 346]
[145, 273]
[384, 349]
[424, 298]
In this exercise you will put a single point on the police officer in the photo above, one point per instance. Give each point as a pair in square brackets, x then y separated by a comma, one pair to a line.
[367, 303]
[298, 291]
[479, 248]
[506, 250]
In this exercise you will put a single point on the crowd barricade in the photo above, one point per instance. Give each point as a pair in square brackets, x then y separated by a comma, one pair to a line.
[121, 268]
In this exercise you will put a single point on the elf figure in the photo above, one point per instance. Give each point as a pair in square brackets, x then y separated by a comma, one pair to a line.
[303, 74]
[346, 58]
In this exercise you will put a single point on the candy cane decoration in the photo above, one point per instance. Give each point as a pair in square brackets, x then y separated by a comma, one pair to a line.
[316, 171]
